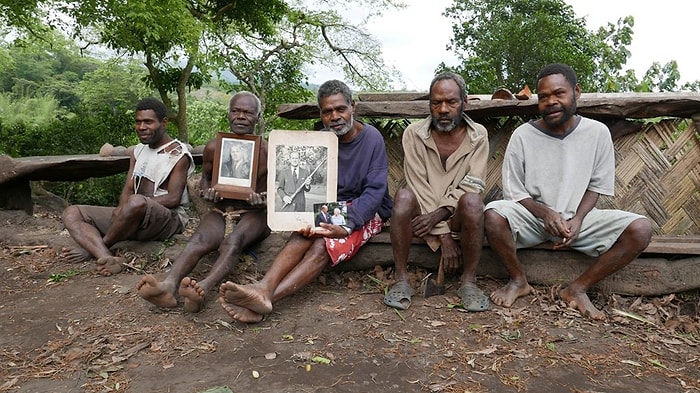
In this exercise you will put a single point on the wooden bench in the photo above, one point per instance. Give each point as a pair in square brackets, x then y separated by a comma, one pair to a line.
[17, 173]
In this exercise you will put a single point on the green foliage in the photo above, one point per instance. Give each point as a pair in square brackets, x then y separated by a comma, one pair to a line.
[50, 66]
[510, 40]
[504, 43]
[113, 87]
[32, 111]
[205, 118]
[102, 191]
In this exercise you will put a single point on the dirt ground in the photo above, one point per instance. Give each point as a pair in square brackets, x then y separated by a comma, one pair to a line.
[65, 329]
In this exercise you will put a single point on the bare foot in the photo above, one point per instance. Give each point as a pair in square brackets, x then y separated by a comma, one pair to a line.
[240, 314]
[193, 294]
[156, 292]
[108, 266]
[248, 296]
[579, 300]
[75, 254]
[508, 294]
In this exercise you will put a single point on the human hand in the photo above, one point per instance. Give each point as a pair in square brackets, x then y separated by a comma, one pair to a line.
[555, 224]
[257, 199]
[424, 223]
[324, 230]
[574, 225]
[451, 253]
[211, 195]
[287, 200]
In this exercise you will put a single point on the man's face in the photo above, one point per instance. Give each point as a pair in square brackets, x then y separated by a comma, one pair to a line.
[236, 153]
[243, 115]
[149, 129]
[556, 101]
[294, 159]
[337, 115]
[446, 105]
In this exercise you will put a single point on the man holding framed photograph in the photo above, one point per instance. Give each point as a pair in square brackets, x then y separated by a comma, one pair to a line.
[362, 182]
[244, 113]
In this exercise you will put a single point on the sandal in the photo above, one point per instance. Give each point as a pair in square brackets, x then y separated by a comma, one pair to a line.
[399, 296]
[473, 298]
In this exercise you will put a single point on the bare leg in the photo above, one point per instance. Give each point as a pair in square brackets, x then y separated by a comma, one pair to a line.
[87, 236]
[502, 243]
[209, 234]
[629, 245]
[90, 239]
[127, 222]
[300, 261]
[470, 218]
[251, 228]
[401, 232]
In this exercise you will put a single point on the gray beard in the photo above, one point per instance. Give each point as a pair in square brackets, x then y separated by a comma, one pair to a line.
[447, 128]
[347, 127]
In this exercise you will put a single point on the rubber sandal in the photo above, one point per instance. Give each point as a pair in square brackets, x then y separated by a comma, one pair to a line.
[473, 298]
[399, 296]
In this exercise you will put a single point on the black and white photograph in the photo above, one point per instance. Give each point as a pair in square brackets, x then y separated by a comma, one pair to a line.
[235, 164]
[303, 172]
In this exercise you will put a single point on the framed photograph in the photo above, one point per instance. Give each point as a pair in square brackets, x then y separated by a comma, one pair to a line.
[236, 165]
[302, 171]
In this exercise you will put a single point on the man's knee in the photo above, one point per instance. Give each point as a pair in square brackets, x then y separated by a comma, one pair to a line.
[640, 232]
[135, 202]
[405, 202]
[493, 220]
[70, 215]
[470, 209]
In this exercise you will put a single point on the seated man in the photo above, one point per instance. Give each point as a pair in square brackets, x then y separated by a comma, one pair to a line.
[362, 182]
[243, 115]
[445, 165]
[152, 202]
[554, 169]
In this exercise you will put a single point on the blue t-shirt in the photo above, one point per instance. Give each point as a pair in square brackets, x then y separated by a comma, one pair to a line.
[363, 170]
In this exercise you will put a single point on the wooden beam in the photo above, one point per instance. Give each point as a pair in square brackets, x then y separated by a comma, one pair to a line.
[596, 105]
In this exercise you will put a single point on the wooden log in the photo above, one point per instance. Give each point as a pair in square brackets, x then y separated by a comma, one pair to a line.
[596, 105]
[646, 276]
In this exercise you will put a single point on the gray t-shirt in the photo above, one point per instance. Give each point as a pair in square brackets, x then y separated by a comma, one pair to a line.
[557, 171]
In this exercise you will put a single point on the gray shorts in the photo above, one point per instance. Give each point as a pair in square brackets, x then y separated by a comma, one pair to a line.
[600, 228]
[159, 222]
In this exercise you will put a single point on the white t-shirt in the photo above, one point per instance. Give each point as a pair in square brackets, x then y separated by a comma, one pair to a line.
[557, 171]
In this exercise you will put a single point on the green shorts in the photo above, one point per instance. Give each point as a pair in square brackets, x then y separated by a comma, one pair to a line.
[600, 228]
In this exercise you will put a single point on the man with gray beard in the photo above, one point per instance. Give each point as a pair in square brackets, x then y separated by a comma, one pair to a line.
[363, 168]
[445, 165]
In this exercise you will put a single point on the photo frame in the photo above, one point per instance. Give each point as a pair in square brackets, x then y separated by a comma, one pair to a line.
[236, 164]
[302, 171]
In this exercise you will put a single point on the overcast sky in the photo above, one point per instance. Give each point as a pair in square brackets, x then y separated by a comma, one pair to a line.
[414, 39]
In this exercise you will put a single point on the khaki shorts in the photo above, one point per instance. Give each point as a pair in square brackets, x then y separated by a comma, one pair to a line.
[159, 222]
[600, 228]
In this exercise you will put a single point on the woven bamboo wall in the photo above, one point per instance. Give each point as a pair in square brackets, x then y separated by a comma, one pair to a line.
[657, 173]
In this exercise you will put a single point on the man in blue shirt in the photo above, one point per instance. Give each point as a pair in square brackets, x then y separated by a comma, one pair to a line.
[362, 183]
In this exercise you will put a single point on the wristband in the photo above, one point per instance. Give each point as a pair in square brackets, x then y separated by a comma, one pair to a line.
[347, 229]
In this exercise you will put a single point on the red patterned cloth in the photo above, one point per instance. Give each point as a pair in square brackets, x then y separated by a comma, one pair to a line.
[345, 248]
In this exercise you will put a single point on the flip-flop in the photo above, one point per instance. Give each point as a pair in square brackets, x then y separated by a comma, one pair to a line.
[399, 296]
[473, 298]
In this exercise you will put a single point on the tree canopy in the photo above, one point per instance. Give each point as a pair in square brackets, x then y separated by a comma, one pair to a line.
[504, 43]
